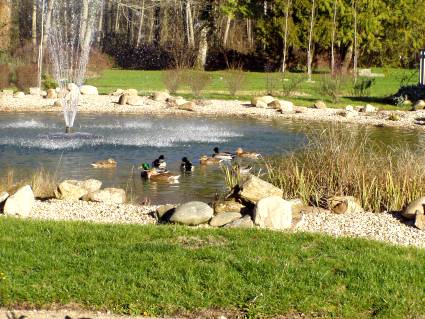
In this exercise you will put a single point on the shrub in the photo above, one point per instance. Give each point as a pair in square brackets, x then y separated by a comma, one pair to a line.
[337, 162]
[197, 81]
[291, 86]
[98, 62]
[4, 76]
[235, 79]
[331, 87]
[172, 79]
[362, 87]
[49, 82]
[26, 76]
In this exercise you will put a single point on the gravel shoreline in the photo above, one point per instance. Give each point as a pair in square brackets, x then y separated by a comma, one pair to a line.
[216, 108]
[382, 227]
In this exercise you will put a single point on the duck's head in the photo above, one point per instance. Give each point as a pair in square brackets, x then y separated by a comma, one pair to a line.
[161, 157]
[239, 150]
[111, 161]
[216, 150]
[185, 160]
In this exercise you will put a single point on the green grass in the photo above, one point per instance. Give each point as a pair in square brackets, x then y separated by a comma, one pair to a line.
[163, 270]
[256, 84]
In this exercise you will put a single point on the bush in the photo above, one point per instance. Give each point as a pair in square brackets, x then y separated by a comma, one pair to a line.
[331, 87]
[290, 86]
[98, 62]
[235, 79]
[197, 81]
[4, 76]
[336, 162]
[26, 76]
[172, 79]
[362, 87]
[49, 82]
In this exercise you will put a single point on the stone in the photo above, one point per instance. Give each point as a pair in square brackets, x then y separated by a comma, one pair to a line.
[70, 190]
[267, 99]
[19, 95]
[344, 204]
[286, 106]
[117, 92]
[261, 104]
[420, 104]
[35, 91]
[420, 221]
[368, 109]
[161, 96]
[297, 206]
[180, 101]
[349, 114]
[3, 197]
[224, 218]
[275, 105]
[188, 106]
[253, 189]
[349, 108]
[261, 101]
[89, 90]
[20, 203]
[7, 92]
[91, 185]
[227, 207]
[134, 100]
[51, 94]
[58, 103]
[319, 105]
[244, 222]
[274, 213]
[192, 213]
[417, 206]
[131, 92]
[109, 195]
[164, 210]
[123, 99]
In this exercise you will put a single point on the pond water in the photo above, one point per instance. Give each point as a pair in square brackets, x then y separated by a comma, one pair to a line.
[134, 139]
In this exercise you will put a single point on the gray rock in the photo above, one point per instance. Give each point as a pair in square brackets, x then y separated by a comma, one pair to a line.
[319, 105]
[244, 222]
[109, 195]
[224, 218]
[275, 105]
[254, 189]
[286, 106]
[89, 90]
[344, 204]
[297, 206]
[420, 221]
[192, 213]
[227, 207]
[273, 212]
[20, 203]
[261, 104]
[3, 197]
[134, 101]
[417, 206]
[70, 190]
[368, 109]
[161, 96]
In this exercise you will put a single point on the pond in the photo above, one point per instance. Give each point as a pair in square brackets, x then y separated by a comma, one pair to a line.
[134, 139]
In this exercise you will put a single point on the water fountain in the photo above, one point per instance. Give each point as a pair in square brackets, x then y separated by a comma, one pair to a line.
[70, 27]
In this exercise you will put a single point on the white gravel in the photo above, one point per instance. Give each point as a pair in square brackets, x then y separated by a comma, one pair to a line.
[381, 227]
[93, 212]
[108, 104]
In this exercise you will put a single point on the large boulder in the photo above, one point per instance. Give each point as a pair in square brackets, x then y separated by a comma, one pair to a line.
[70, 190]
[117, 92]
[134, 100]
[161, 96]
[286, 106]
[319, 105]
[420, 221]
[51, 94]
[109, 195]
[417, 206]
[253, 189]
[224, 218]
[262, 101]
[3, 197]
[273, 212]
[275, 105]
[20, 203]
[420, 104]
[89, 90]
[297, 206]
[244, 222]
[131, 92]
[123, 99]
[228, 207]
[344, 204]
[192, 213]
[368, 109]
[164, 211]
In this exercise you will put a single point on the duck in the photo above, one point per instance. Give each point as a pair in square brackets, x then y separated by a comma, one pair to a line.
[206, 160]
[158, 176]
[243, 170]
[186, 165]
[160, 163]
[109, 163]
[241, 153]
[222, 155]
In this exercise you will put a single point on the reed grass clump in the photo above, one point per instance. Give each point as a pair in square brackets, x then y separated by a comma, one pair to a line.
[338, 162]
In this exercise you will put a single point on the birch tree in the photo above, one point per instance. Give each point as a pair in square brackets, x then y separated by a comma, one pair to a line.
[310, 40]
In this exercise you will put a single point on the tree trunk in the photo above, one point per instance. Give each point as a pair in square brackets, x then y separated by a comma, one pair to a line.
[347, 59]
[5, 23]
[310, 38]
[84, 20]
[333, 40]
[203, 50]
[189, 23]
[285, 37]
[226, 30]
[34, 24]
[100, 25]
[142, 17]
[355, 41]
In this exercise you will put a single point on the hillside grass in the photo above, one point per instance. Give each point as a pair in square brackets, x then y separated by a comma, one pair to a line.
[258, 83]
[163, 270]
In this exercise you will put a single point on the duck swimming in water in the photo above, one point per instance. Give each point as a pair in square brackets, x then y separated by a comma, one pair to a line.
[222, 155]
[109, 163]
[241, 153]
[158, 176]
[160, 163]
[186, 165]
[206, 160]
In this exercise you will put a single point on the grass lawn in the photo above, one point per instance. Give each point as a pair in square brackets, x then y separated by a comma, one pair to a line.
[256, 84]
[163, 270]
